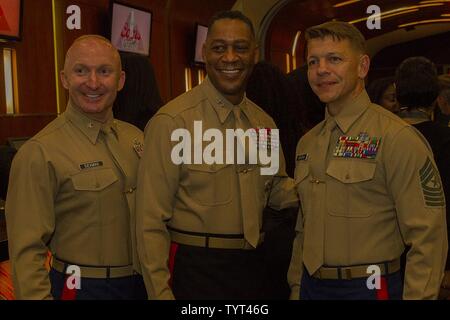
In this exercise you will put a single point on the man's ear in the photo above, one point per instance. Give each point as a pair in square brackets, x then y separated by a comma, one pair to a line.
[122, 78]
[204, 51]
[64, 81]
[256, 54]
[363, 68]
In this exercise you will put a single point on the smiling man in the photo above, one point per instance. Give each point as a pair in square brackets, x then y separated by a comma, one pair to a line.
[72, 188]
[199, 224]
[368, 186]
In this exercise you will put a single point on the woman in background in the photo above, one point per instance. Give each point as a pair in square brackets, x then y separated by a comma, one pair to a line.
[382, 92]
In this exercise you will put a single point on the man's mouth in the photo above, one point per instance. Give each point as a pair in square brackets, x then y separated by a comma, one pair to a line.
[93, 97]
[326, 84]
[230, 71]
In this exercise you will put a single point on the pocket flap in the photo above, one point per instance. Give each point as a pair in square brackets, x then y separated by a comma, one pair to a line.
[301, 172]
[348, 171]
[94, 180]
[211, 168]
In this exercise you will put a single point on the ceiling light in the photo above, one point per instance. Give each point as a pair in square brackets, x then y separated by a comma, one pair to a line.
[434, 1]
[422, 22]
[341, 4]
[397, 10]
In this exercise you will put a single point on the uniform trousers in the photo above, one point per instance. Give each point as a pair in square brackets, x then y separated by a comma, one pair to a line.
[124, 288]
[355, 289]
[200, 273]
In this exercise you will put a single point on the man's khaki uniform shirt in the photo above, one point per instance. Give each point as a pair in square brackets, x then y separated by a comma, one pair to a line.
[370, 208]
[68, 193]
[204, 198]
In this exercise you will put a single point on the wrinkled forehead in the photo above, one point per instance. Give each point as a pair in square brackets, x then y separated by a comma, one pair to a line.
[89, 48]
[327, 44]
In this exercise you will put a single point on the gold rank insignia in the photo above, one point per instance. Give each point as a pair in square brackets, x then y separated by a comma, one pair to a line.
[431, 185]
[138, 147]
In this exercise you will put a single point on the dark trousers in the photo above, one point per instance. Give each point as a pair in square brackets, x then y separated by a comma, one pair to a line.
[216, 274]
[355, 289]
[126, 288]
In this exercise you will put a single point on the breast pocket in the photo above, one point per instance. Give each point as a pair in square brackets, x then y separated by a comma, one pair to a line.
[346, 191]
[209, 185]
[94, 180]
[303, 186]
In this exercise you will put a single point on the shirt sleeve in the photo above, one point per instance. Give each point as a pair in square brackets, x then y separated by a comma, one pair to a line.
[157, 185]
[283, 193]
[415, 185]
[30, 220]
[295, 270]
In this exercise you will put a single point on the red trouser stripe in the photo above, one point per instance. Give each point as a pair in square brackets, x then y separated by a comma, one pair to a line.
[67, 293]
[382, 293]
[172, 253]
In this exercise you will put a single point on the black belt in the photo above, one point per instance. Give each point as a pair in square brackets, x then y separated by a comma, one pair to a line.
[95, 272]
[354, 272]
[211, 240]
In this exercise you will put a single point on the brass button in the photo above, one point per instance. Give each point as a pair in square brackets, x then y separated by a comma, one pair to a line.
[90, 125]
[245, 171]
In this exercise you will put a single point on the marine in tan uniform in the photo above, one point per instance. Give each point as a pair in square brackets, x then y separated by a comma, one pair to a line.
[198, 224]
[72, 189]
[368, 187]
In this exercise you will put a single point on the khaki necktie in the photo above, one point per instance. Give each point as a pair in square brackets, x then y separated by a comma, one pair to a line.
[112, 143]
[313, 251]
[249, 215]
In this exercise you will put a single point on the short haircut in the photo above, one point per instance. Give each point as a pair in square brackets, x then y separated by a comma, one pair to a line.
[233, 15]
[416, 83]
[97, 37]
[338, 30]
[444, 86]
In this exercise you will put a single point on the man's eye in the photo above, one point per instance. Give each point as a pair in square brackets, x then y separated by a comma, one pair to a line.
[241, 48]
[219, 48]
[334, 59]
[105, 72]
[80, 71]
[311, 63]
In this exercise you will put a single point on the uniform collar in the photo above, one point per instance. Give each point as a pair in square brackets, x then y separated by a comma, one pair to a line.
[88, 126]
[220, 104]
[351, 112]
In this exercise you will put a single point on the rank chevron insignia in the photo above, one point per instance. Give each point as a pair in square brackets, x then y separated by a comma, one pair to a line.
[431, 185]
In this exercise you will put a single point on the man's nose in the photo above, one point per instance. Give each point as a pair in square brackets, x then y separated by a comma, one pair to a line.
[93, 81]
[322, 67]
[230, 54]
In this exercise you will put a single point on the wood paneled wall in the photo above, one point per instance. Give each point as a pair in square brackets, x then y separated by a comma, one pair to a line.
[36, 73]
[172, 41]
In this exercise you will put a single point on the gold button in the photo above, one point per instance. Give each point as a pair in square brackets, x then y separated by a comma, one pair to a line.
[245, 171]
[90, 125]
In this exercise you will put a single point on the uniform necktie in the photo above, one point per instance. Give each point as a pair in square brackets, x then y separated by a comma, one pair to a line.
[313, 255]
[249, 216]
[112, 143]
[241, 145]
